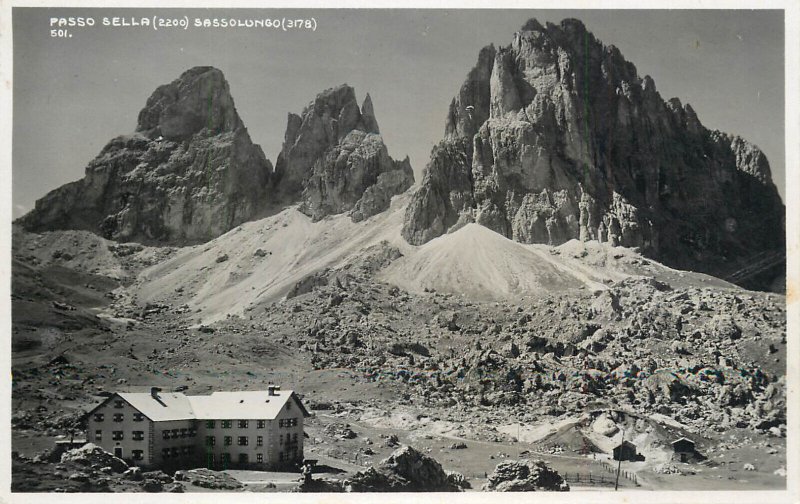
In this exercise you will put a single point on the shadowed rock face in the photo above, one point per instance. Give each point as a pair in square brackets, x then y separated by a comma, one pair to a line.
[189, 173]
[334, 159]
[556, 137]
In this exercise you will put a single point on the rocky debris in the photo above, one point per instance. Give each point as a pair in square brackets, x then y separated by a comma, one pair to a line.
[340, 431]
[320, 485]
[159, 481]
[749, 467]
[173, 488]
[133, 473]
[307, 284]
[568, 357]
[458, 445]
[189, 173]
[207, 478]
[334, 159]
[524, 476]
[405, 470]
[724, 327]
[511, 160]
[666, 469]
[62, 306]
[94, 456]
[392, 440]
[79, 477]
[152, 486]
[48, 455]
[448, 319]
[458, 480]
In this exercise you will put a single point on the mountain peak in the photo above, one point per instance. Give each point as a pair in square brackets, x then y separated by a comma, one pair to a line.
[190, 171]
[334, 160]
[555, 137]
[200, 98]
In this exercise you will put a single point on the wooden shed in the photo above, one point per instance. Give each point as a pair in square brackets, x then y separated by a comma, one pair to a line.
[625, 451]
[683, 450]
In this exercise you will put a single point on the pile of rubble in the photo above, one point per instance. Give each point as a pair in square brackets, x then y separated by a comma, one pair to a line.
[207, 478]
[524, 476]
[406, 470]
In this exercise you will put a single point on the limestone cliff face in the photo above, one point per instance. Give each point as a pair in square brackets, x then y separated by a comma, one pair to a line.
[334, 159]
[189, 172]
[556, 137]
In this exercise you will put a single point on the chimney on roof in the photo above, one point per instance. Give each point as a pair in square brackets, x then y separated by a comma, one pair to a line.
[271, 389]
[154, 392]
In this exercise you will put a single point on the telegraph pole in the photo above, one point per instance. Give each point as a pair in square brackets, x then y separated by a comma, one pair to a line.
[619, 462]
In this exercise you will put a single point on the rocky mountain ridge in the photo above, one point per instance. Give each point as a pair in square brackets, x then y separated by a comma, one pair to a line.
[556, 137]
[334, 158]
[190, 171]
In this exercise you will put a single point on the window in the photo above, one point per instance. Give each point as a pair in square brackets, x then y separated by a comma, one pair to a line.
[192, 432]
[99, 417]
[226, 458]
[226, 424]
[228, 440]
[288, 405]
[210, 440]
[280, 456]
[165, 434]
[137, 454]
[165, 453]
[210, 424]
[138, 417]
[185, 450]
[98, 435]
[138, 435]
[243, 458]
[175, 433]
[243, 424]
[243, 441]
[294, 437]
[289, 422]
[175, 451]
[260, 424]
[259, 440]
[260, 458]
[116, 435]
[184, 432]
[118, 417]
[119, 404]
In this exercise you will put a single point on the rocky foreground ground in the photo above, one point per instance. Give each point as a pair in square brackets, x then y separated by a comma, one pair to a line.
[558, 376]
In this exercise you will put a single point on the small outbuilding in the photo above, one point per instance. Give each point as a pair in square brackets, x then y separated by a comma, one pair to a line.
[625, 451]
[683, 450]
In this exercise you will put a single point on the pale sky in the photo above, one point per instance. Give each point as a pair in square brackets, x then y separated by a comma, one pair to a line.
[71, 96]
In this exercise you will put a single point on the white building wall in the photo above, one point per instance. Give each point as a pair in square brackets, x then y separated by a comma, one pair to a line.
[274, 445]
[187, 450]
[183, 447]
[101, 433]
